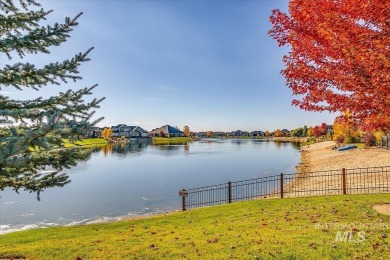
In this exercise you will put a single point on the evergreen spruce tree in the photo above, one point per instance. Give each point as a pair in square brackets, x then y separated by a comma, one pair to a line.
[32, 153]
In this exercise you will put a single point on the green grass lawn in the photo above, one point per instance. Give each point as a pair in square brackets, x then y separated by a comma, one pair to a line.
[300, 228]
[87, 143]
[171, 140]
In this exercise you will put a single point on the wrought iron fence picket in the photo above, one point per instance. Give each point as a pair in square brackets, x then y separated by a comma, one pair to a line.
[345, 181]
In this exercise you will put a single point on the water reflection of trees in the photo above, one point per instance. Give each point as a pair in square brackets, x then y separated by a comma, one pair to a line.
[139, 146]
[170, 147]
[279, 144]
[296, 145]
[124, 148]
[48, 172]
[259, 141]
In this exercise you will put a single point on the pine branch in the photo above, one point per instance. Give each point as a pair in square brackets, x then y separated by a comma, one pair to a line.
[69, 104]
[8, 6]
[37, 39]
[26, 74]
[19, 22]
[33, 132]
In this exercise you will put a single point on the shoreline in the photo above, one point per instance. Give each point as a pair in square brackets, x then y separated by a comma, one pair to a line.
[290, 139]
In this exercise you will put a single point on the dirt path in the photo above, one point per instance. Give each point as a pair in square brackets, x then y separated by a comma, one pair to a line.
[383, 209]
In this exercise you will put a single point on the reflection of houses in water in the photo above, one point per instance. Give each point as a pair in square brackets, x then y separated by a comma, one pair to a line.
[238, 141]
[131, 147]
[124, 148]
[172, 149]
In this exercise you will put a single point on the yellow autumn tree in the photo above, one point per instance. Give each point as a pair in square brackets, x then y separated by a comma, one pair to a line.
[310, 131]
[347, 129]
[106, 133]
[278, 133]
[186, 131]
[209, 133]
[379, 135]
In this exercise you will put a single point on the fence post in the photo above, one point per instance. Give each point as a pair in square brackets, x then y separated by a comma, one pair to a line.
[229, 192]
[183, 204]
[281, 185]
[344, 182]
[183, 194]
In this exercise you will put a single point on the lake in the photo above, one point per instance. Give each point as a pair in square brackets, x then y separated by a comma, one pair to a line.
[126, 180]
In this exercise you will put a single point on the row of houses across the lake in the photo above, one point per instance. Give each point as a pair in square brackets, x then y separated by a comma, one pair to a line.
[123, 130]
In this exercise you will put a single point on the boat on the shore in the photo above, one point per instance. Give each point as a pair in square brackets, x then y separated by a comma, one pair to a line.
[348, 147]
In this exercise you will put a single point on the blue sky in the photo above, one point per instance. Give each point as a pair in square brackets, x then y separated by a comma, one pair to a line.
[206, 64]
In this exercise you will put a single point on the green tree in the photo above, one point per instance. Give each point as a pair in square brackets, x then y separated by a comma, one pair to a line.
[304, 132]
[32, 153]
[297, 132]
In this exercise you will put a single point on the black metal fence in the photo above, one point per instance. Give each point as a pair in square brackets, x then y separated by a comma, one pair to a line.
[344, 181]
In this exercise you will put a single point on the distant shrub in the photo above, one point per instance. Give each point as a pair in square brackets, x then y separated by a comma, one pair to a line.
[340, 139]
[369, 139]
[355, 139]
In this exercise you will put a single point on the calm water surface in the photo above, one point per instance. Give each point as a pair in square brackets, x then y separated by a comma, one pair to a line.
[135, 179]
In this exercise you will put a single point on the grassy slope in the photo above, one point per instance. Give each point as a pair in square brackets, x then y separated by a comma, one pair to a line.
[171, 140]
[266, 229]
[87, 143]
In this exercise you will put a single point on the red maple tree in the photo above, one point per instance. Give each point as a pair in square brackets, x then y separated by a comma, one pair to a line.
[320, 130]
[339, 57]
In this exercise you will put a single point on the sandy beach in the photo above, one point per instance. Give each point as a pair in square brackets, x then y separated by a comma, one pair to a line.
[320, 157]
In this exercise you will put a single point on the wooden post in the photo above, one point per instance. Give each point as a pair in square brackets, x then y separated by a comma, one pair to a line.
[281, 185]
[183, 204]
[183, 194]
[229, 192]
[344, 182]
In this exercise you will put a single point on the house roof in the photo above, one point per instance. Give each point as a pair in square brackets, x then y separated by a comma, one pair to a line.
[137, 128]
[173, 130]
[167, 129]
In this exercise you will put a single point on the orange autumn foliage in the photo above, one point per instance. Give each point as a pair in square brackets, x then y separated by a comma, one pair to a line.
[339, 57]
[186, 131]
[106, 133]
